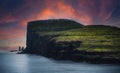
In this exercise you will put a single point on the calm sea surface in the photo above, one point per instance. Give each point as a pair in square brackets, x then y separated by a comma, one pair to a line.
[23, 63]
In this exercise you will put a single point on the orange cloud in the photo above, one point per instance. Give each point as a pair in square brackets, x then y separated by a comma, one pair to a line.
[11, 33]
[8, 18]
[61, 10]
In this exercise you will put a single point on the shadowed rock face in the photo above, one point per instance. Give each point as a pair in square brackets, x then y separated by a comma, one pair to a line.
[69, 40]
[62, 47]
[41, 44]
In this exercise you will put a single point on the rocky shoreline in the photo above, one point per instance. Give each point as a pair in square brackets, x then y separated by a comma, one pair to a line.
[90, 57]
[84, 56]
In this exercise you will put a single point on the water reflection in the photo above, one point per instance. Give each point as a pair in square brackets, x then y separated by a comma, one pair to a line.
[18, 63]
[11, 63]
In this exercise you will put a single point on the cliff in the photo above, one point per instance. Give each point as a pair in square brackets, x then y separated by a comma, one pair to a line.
[41, 33]
[67, 39]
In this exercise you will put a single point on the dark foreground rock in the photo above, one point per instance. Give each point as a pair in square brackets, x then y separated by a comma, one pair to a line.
[91, 57]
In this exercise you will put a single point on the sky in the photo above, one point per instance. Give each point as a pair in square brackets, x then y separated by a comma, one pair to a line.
[15, 14]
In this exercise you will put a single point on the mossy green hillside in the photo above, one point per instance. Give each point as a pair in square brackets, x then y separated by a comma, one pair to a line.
[94, 37]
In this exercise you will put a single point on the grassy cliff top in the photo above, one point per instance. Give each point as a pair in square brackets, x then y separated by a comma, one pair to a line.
[53, 24]
[94, 37]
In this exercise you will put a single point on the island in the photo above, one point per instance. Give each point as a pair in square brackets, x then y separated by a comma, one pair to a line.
[64, 39]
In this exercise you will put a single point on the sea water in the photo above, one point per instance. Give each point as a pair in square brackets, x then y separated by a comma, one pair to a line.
[25, 63]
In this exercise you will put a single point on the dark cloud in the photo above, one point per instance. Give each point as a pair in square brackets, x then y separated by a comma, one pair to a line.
[9, 25]
[8, 6]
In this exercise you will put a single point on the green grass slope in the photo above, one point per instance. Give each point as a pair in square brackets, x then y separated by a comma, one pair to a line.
[98, 38]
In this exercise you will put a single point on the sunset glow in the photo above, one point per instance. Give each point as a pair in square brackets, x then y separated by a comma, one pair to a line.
[16, 13]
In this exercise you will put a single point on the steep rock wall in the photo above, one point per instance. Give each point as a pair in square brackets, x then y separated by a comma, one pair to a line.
[37, 43]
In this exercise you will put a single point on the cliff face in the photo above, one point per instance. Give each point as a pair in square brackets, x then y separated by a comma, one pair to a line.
[39, 41]
[67, 39]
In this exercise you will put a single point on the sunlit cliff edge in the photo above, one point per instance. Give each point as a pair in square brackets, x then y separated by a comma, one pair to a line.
[64, 39]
